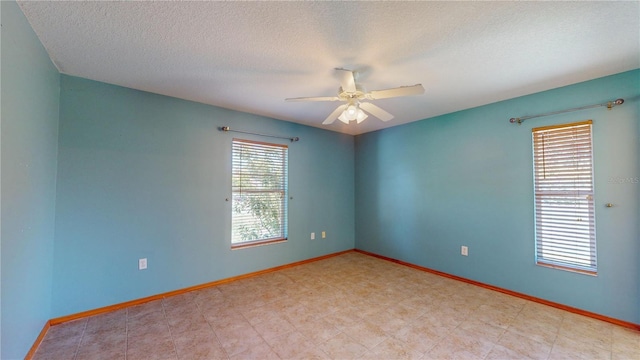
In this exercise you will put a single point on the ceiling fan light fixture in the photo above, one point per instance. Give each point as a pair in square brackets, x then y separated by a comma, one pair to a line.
[343, 118]
[361, 116]
[351, 112]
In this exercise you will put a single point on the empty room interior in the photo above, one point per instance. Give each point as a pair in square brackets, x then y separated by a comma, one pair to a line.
[320, 180]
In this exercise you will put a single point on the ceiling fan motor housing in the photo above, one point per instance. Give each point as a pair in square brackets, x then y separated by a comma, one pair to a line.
[358, 94]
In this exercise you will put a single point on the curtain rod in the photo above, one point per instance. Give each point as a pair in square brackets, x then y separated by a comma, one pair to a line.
[609, 105]
[226, 128]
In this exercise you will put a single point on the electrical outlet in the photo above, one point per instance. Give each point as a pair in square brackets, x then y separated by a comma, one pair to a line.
[324, 234]
[142, 264]
[313, 236]
[464, 251]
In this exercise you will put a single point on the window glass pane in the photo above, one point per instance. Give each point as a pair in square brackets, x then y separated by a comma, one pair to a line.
[259, 187]
[563, 185]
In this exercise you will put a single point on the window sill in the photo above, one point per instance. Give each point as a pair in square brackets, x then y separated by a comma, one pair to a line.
[567, 268]
[250, 244]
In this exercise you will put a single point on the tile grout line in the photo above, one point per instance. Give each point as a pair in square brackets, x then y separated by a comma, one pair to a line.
[555, 338]
[260, 335]
[295, 329]
[211, 327]
[529, 337]
[126, 333]
[84, 328]
[166, 320]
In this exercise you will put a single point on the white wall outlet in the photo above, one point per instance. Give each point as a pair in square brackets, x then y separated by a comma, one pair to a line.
[142, 264]
[313, 236]
[464, 251]
[324, 234]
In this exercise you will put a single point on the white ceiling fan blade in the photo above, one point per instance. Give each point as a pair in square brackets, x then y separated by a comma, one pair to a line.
[376, 111]
[396, 92]
[317, 98]
[334, 115]
[347, 80]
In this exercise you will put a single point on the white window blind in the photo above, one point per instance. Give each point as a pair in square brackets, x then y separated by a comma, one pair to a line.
[563, 185]
[259, 187]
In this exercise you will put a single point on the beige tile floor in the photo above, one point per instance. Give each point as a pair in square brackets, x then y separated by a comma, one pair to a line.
[352, 306]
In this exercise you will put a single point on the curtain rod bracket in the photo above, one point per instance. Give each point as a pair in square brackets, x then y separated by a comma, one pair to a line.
[226, 129]
[611, 104]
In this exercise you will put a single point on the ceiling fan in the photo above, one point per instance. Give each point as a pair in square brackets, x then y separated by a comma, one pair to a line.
[355, 96]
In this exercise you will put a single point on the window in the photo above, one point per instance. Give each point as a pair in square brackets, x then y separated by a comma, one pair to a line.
[563, 186]
[259, 187]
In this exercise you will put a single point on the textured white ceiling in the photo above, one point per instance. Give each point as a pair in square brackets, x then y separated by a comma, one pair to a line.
[249, 56]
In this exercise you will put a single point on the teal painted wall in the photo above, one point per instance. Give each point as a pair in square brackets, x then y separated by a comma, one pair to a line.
[29, 127]
[426, 188]
[121, 174]
[144, 175]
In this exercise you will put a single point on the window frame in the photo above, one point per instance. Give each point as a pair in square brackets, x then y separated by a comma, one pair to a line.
[560, 241]
[236, 191]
